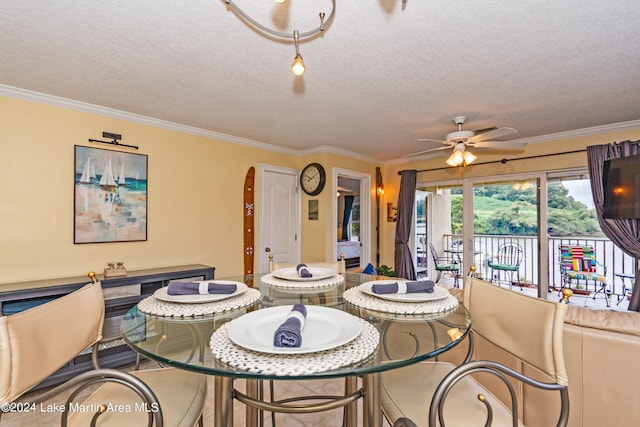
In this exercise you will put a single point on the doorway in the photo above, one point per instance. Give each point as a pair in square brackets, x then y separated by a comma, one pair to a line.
[352, 217]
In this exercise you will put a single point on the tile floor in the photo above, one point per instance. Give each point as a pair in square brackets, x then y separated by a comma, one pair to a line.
[283, 390]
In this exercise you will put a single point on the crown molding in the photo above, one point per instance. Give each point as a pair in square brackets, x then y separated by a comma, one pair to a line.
[614, 127]
[339, 151]
[56, 101]
[632, 124]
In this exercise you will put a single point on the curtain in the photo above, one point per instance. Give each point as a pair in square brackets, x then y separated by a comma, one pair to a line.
[406, 201]
[625, 233]
[346, 217]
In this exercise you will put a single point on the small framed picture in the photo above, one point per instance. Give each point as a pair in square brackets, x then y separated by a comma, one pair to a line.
[313, 209]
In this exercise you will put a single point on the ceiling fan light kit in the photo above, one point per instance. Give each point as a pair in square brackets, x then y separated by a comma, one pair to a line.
[460, 157]
[297, 67]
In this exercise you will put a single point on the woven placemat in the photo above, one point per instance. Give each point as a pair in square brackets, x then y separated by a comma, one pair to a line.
[363, 346]
[272, 280]
[360, 299]
[152, 305]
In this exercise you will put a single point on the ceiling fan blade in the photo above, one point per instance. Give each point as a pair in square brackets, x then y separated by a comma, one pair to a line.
[430, 140]
[479, 131]
[504, 145]
[496, 133]
[448, 147]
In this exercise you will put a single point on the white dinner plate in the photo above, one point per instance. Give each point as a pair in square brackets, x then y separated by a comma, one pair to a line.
[292, 274]
[438, 293]
[162, 294]
[324, 328]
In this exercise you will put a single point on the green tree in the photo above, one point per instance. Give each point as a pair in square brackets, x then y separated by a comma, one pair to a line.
[503, 209]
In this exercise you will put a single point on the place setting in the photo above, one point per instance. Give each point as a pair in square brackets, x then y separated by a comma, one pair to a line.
[292, 340]
[402, 296]
[198, 298]
[303, 277]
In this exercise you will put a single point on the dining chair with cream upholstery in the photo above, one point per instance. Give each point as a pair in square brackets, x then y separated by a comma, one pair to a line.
[338, 267]
[38, 341]
[443, 394]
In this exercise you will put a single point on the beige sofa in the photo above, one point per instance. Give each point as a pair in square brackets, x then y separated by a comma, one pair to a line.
[602, 355]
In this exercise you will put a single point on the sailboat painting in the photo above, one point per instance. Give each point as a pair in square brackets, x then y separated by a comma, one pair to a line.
[110, 196]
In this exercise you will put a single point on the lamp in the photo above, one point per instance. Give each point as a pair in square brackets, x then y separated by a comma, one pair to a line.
[297, 67]
[468, 157]
[460, 157]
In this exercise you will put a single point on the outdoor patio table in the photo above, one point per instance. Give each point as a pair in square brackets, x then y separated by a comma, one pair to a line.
[184, 341]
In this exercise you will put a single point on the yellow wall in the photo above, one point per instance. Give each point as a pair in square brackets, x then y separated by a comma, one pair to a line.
[319, 236]
[569, 161]
[195, 196]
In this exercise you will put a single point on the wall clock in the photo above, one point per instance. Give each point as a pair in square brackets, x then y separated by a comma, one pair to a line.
[312, 179]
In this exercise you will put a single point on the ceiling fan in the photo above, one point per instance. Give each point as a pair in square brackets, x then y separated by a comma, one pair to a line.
[461, 139]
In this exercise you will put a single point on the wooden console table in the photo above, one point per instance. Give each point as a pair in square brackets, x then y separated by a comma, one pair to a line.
[121, 293]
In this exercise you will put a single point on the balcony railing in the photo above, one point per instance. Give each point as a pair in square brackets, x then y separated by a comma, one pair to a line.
[605, 252]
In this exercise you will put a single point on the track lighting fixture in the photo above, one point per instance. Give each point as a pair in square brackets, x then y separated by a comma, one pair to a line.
[298, 66]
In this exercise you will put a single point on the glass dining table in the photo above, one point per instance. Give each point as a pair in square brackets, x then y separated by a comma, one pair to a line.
[390, 334]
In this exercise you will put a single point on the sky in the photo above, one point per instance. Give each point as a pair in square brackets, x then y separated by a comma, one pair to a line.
[581, 191]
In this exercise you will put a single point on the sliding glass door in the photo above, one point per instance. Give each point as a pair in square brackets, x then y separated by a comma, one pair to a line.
[505, 232]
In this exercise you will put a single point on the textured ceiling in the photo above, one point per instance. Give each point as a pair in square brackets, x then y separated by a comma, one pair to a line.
[384, 74]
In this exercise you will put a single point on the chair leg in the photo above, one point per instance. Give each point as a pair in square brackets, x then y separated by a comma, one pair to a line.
[439, 275]
[271, 397]
[603, 290]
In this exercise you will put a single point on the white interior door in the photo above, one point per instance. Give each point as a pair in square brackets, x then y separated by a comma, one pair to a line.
[279, 219]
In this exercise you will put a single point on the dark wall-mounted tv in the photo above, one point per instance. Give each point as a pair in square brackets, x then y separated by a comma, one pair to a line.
[622, 188]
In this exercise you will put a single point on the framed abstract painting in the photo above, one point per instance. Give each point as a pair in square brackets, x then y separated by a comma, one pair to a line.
[110, 196]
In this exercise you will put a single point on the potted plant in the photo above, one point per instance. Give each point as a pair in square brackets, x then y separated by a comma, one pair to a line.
[385, 270]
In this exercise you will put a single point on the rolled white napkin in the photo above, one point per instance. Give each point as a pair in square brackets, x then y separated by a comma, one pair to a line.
[303, 271]
[404, 287]
[201, 288]
[289, 333]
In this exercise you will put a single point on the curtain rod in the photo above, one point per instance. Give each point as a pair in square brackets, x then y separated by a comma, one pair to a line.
[503, 161]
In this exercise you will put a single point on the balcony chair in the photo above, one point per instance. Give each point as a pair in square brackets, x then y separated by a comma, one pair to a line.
[507, 259]
[441, 264]
[434, 393]
[578, 263]
[38, 341]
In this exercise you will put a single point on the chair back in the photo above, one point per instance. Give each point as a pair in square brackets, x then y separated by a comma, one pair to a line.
[529, 328]
[37, 342]
[577, 258]
[509, 254]
[434, 254]
[337, 266]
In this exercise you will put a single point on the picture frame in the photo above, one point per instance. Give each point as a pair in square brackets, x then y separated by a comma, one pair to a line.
[313, 210]
[110, 196]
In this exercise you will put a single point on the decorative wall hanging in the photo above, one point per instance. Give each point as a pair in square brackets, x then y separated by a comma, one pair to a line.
[313, 209]
[110, 196]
